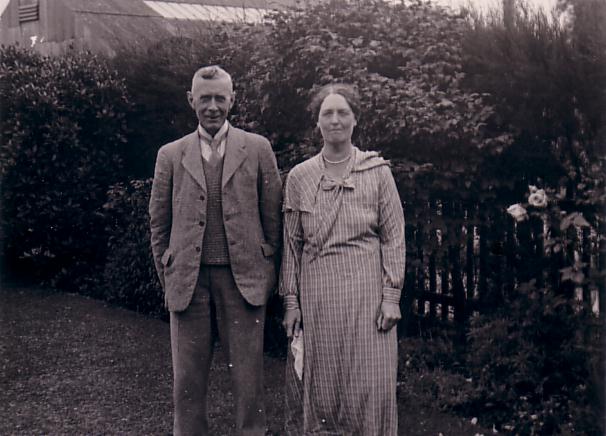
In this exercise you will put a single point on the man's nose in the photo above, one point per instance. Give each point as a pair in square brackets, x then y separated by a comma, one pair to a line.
[213, 104]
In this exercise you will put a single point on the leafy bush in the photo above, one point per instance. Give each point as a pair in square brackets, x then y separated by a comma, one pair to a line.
[537, 360]
[130, 278]
[546, 78]
[532, 368]
[63, 127]
[409, 79]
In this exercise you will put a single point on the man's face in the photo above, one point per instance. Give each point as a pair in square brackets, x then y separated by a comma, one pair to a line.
[212, 100]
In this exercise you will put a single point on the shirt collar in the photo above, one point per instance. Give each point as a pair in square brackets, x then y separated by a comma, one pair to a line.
[203, 134]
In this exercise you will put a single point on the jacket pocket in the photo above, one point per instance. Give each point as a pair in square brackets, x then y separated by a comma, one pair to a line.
[267, 249]
[167, 257]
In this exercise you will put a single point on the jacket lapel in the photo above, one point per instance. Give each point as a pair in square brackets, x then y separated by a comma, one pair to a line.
[192, 159]
[235, 153]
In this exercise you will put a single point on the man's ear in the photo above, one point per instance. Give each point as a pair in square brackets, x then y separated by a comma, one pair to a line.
[233, 99]
[190, 99]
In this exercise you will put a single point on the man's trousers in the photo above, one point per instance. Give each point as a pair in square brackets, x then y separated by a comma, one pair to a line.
[240, 328]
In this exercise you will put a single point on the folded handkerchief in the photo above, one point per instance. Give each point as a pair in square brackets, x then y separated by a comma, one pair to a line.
[296, 347]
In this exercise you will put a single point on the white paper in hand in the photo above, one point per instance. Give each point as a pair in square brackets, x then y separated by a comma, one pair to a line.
[296, 346]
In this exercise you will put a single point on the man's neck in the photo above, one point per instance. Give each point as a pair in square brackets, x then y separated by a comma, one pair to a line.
[211, 134]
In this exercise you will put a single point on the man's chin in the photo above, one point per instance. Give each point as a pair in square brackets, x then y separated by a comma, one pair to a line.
[212, 125]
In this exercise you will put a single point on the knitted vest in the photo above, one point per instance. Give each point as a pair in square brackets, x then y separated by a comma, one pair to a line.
[214, 245]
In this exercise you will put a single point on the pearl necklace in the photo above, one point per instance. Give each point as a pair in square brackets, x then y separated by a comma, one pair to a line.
[334, 162]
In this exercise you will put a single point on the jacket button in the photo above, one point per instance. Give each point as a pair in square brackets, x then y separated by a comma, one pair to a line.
[202, 197]
[201, 223]
[198, 249]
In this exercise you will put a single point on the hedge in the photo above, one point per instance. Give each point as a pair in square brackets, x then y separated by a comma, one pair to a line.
[63, 131]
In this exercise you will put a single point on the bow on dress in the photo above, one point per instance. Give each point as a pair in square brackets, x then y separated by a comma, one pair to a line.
[328, 215]
[328, 183]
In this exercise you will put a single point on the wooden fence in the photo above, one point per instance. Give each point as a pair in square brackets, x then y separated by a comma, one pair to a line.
[447, 282]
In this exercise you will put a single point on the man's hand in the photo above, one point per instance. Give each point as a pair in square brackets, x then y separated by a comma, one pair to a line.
[292, 322]
[389, 315]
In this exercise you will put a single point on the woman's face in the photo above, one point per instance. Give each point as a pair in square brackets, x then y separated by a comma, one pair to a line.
[336, 120]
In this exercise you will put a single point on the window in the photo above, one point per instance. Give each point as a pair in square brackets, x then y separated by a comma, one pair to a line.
[188, 11]
[28, 11]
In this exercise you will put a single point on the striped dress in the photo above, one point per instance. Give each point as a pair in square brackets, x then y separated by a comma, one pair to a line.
[343, 254]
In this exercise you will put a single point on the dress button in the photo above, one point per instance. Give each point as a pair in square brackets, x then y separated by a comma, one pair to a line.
[198, 249]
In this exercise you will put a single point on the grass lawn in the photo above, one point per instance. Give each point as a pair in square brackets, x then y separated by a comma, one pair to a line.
[72, 365]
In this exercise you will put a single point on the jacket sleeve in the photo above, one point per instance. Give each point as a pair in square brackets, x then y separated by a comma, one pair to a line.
[293, 246]
[160, 210]
[391, 232]
[270, 196]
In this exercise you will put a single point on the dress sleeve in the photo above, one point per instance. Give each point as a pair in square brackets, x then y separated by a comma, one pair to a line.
[293, 247]
[392, 237]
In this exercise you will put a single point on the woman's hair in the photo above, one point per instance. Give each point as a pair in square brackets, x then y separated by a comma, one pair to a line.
[348, 92]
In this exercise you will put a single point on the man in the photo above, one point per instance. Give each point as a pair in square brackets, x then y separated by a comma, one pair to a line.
[215, 229]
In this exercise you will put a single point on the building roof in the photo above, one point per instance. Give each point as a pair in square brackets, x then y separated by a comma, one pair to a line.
[120, 23]
[150, 8]
[109, 25]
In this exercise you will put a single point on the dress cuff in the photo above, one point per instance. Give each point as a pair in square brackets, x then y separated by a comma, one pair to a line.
[291, 302]
[391, 295]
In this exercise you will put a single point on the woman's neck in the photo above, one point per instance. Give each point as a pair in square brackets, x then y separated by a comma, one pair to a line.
[336, 152]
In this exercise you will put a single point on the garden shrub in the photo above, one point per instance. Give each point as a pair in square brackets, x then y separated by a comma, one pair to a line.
[536, 360]
[532, 367]
[545, 78]
[63, 131]
[130, 278]
[409, 79]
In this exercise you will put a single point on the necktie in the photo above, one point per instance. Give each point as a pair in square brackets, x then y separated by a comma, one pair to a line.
[214, 150]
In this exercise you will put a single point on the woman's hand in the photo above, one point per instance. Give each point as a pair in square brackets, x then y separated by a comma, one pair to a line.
[389, 315]
[292, 322]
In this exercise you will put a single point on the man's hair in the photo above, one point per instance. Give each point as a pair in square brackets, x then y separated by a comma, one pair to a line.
[211, 72]
[347, 91]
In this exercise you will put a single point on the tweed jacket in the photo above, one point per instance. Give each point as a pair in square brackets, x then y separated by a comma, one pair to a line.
[251, 198]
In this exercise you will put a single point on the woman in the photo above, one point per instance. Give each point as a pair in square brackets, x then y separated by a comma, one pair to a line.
[342, 272]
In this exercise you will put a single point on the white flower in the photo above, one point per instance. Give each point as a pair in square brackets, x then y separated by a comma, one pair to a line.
[537, 197]
[518, 212]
